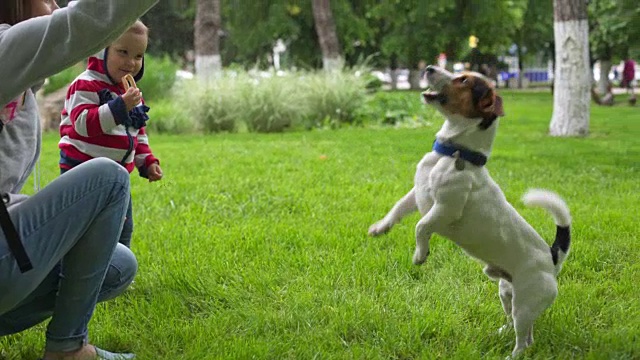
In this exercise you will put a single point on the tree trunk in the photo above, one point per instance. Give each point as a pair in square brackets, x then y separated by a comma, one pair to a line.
[572, 87]
[393, 74]
[327, 36]
[208, 63]
[603, 83]
[393, 71]
[414, 78]
[520, 72]
[452, 53]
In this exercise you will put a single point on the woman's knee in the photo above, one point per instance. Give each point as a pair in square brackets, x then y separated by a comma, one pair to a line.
[121, 272]
[104, 168]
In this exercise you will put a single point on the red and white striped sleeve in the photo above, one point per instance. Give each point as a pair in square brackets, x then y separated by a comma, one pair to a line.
[144, 156]
[86, 115]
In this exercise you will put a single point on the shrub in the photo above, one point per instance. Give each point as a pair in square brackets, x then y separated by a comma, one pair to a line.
[212, 107]
[63, 78]
[165, 117]
[333, 98]
[237, 101]
[395, 108]
[373, 84]
[271, 104]
[159, 77]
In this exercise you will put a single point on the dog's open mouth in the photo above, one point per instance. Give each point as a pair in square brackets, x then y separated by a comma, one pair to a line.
[430, 96]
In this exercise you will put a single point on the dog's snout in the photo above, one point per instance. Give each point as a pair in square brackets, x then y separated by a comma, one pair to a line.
[430, 69]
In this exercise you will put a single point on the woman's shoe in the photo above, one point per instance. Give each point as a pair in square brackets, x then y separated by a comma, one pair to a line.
[106, 355]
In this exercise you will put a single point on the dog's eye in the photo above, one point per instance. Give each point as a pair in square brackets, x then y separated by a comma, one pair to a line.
[462, 80]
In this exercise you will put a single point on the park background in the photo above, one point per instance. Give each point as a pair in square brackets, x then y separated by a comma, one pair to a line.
[279, 151]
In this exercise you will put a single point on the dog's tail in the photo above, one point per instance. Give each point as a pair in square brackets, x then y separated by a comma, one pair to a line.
[560, 211]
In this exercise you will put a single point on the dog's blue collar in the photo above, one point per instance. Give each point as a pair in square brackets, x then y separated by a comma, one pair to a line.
[474, 157]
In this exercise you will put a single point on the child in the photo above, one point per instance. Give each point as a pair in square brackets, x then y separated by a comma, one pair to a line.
[101, 119]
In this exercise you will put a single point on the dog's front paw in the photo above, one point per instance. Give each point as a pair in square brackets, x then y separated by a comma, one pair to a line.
[419, 257]
[379, 228]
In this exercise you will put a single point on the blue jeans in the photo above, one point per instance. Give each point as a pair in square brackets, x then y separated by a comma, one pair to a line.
[127, 228]
[70, 230]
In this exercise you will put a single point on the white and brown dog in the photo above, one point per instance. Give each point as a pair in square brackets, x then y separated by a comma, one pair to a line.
[458, 199]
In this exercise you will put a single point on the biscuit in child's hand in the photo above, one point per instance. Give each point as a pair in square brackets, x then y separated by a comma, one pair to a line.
[128, 82]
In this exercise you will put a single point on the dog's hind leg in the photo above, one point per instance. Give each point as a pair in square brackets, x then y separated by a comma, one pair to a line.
[530, 298]
[402, 208]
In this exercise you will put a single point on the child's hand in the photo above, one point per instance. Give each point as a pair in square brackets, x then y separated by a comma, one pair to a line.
[132, 98]
[154, 172]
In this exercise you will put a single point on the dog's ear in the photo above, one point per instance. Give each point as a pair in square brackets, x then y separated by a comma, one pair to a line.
[497, 106]
[491, 105]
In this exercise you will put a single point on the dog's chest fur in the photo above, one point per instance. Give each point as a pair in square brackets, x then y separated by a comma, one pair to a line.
[488, 228]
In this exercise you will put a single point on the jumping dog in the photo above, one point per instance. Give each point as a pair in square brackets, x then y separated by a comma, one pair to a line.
[459, 200]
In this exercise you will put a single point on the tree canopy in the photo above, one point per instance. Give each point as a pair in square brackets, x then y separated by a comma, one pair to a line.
[395, 32]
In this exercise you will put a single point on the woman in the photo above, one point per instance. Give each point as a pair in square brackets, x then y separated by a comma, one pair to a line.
[59, 251]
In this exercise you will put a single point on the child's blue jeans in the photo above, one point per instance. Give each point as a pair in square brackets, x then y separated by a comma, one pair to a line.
[70, 230]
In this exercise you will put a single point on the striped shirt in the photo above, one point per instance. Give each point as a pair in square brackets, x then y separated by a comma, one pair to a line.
[88, 128]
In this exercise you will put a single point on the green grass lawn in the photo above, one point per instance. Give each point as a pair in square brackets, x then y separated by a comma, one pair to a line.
[256, 246]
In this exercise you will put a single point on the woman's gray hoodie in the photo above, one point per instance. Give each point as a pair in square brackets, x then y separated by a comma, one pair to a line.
[31, 51]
